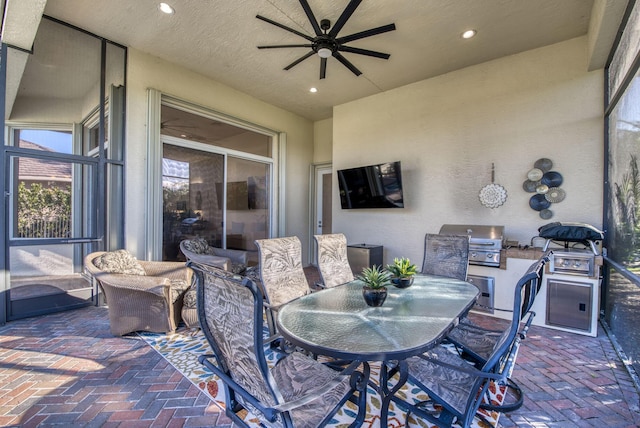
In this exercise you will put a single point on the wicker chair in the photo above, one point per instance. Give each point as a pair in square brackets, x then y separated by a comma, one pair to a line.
[141, 295]
[296, 391]
[332, 259]
[281, 274]
[446, 255]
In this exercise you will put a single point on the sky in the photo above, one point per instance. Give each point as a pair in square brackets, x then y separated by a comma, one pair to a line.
[59, 141]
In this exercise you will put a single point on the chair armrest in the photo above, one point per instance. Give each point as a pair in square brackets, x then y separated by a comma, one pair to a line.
[210, 260]
[151, 284]
[236, 256]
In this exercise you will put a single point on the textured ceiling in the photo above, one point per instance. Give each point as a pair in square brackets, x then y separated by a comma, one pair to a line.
[219, 38]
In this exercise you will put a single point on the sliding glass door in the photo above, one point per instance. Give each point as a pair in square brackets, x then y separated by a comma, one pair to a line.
[216, 182]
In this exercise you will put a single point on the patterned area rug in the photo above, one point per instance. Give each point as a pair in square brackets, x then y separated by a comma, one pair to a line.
[183, 348]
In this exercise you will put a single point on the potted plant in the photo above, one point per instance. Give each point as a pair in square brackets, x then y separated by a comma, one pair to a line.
[375, 279]
[402, 271]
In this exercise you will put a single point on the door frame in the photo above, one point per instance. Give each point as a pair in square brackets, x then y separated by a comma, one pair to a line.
[315, 202]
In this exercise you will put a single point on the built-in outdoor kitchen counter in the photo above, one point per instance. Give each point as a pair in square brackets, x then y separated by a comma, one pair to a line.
[568, 300]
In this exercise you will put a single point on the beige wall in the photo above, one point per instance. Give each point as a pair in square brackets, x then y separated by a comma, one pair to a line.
[145, 72]
[322, 141]
[447, 131]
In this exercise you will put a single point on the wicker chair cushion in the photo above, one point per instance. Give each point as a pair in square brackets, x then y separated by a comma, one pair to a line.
[198, 246]
[120, 261]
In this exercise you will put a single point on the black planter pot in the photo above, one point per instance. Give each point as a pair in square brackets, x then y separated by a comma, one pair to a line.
[402, 282]
[374, 296]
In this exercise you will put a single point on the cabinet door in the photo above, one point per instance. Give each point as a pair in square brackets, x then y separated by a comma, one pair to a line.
[569, 304]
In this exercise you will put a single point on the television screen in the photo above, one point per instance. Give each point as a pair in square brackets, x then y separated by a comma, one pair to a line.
[373, 186]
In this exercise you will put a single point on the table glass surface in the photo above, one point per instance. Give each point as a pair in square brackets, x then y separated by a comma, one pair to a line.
[337, 322]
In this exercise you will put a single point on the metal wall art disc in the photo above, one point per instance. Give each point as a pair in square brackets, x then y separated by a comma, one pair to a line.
[539, 203]
[543, 164]
[546, 214]
[555, 195]
[530, 186]
[535, 174]
[492, 195]
[542, 189]
[552, 179]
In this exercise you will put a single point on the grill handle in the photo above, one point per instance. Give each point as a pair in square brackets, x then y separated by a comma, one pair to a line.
[484, 244]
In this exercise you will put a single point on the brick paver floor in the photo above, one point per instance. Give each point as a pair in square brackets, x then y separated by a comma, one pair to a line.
[67, 369]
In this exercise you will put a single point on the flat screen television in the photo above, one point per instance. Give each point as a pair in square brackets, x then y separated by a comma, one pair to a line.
[372, 186]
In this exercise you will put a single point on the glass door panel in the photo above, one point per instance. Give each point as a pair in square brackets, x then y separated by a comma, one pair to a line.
[248, 207]
[49, 207]
[193, 197]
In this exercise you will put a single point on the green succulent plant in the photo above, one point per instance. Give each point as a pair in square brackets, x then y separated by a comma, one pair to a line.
[402, 268]
[375, 277]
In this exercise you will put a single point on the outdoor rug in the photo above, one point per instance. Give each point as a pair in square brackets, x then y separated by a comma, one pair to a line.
[182, 349]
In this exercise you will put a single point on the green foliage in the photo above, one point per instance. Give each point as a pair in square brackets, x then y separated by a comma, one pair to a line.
[44, 212]
[375, 277]
[402, 268]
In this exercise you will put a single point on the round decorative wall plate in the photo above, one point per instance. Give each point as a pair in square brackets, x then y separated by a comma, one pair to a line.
[555, 195]
[530, 186]
[539, 202]
[543, 164]
[542, 189]
[535, 174]
[492, 195]
[546, 214]
[552, 179]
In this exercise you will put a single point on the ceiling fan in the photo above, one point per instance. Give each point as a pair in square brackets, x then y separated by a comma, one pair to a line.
[326, 43]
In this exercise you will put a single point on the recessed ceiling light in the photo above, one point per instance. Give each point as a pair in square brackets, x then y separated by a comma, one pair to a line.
[313, 90]
[469, 34]
[164, 7]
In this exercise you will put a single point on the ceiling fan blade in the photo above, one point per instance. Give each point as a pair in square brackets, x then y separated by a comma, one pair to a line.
[346, 63]
[364, 52]
[311, 16]
[299, 60]
[284, 27]
[346, 14]
[323, 67]
[366, 33]
[284, 46]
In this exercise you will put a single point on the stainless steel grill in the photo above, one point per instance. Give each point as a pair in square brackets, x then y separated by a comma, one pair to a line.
[485, 242]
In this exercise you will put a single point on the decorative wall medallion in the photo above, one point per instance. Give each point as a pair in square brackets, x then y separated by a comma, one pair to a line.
[545, 183]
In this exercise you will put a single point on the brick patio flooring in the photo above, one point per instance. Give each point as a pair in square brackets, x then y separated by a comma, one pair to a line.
[67, 369]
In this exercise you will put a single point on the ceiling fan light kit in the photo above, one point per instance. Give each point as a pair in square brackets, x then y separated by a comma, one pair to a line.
[326, 44]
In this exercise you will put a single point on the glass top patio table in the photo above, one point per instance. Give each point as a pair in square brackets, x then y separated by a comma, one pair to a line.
[337, 322]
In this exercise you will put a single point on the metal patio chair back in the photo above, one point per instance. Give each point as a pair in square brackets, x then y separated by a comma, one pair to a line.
[446, 255]
[455, 387]
[476, 343]
[333, 263]
[281, 274]
[295, 391]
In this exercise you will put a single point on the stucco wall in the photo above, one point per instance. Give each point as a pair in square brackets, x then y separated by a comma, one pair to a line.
[322, 141]
[447, 131]
[145, 72]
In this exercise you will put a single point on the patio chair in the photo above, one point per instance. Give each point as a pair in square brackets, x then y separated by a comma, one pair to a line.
[455, 388]
[282, 277]
[296, 391]
[446, 255]
[199, 251]
[476, 343]
[140, 295]
[332, 260]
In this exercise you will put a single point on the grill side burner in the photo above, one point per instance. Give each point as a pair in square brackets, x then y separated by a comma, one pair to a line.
[485, 242]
